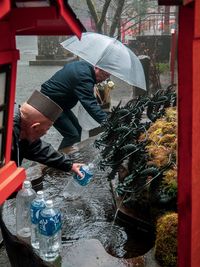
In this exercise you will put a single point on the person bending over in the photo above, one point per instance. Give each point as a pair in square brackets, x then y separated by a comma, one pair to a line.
[32, 120]
[75, 82]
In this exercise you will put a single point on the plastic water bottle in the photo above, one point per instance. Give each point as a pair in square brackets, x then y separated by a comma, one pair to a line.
[49, 232]
[36, 206]
[73, 190]
[76, 186]
[23, 202]
[87, 172]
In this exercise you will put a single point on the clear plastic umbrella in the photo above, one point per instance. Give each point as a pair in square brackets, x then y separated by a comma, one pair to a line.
[108, 54]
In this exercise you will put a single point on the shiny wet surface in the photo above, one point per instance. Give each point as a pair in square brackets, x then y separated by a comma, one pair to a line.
[92, 215]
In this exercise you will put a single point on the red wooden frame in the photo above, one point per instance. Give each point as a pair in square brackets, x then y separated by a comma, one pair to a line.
[11, 178]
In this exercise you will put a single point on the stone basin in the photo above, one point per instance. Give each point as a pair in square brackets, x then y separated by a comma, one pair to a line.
[91, 235]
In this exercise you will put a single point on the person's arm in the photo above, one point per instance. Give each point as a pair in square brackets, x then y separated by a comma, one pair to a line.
[85, 93]
[44, 153]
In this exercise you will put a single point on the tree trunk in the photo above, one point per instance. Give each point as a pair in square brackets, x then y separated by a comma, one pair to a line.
[98, 21]
[117, 17]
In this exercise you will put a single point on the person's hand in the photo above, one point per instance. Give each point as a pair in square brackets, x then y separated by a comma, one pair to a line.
[76, 168]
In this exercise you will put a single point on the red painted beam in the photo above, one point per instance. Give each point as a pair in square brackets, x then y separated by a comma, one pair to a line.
[11, 178]
[4, 8]
[44, 21]
[7, 56]
[66, 12]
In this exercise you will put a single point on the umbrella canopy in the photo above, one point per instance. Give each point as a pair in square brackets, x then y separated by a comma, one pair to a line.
[108, 54]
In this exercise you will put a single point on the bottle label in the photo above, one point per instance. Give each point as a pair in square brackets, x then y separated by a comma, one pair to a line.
[35, 212]
[87, 176]
[49, 226]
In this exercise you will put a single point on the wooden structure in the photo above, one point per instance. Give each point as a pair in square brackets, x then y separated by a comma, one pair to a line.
[188, 131]
[23, 17]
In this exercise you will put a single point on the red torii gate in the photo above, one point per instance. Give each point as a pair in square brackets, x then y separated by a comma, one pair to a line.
[188, 131]
[23, 17]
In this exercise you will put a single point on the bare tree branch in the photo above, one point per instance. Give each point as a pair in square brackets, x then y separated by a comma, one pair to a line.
[116, 18]
[93, 11]
[104, 11]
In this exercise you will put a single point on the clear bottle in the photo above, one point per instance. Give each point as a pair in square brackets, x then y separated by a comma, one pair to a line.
[36, 206]
[76, 185]
[23, 202]
[49, 232]
[73, 190]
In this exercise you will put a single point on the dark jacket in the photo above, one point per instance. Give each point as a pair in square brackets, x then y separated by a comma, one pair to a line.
[75, 82]
[39, 150]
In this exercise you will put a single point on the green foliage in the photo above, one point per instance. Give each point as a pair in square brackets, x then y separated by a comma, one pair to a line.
[169, 183]
[146, 149]
[162, 67]
[166, 240]
[161, 149]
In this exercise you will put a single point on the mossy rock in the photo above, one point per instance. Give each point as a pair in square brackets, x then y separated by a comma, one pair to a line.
[166, 240]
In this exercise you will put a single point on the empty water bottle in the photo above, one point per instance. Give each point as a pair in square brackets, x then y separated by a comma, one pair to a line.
[23, 202]
[36, 206]
[49, 232]
[76, 186]
[73, 190]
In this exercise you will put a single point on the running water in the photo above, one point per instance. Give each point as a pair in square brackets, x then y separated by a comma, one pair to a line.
[110, 235]
[117, 210]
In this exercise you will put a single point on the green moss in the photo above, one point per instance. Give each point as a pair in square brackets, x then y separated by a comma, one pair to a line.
[166, 240]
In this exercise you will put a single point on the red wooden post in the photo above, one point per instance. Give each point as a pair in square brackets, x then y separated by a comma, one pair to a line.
[189, 133]
[185, 94]
[173, 54]
[195, 219]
